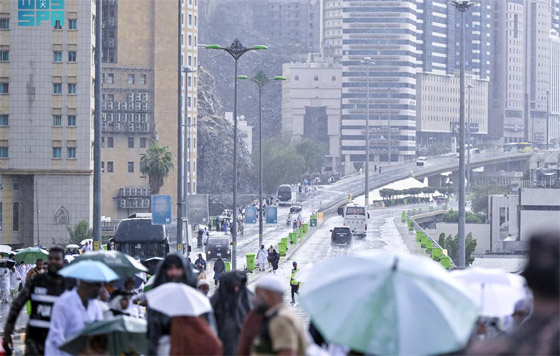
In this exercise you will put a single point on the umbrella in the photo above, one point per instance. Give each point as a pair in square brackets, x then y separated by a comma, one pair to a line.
[72, 246]
[6, 263]
[396, 304]
[125, 334]
[121, 263]
[5, 249]
[178, 299]
[496, 291]
[89, 271]
[69, 258]
[83, 242]
[30, 255]
[152, 263]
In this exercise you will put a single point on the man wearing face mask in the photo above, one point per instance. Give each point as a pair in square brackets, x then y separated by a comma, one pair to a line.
[43, 290]
[71, 313]
[281, 332]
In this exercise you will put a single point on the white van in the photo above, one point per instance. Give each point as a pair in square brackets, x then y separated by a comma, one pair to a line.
[421, 160]
[355, 217]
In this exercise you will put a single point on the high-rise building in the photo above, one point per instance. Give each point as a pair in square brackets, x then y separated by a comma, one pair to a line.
[46, 113]
[331, 30]
[140, 97]
[555, 20]
[386, 33]
[554, 95]
[293, 22]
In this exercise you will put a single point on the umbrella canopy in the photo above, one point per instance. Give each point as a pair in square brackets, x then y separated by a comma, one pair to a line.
[72, 246]
[496, 291]
[89, 271]
[152, 263]
[83, 242]
[178, 299]
[5, 249]
[4, 262]
[30, 255]
[392, 300]
[124, 334]
[121, 263]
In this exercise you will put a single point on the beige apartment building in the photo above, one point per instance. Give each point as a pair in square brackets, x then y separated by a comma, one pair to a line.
[140, 97]
[46, 113]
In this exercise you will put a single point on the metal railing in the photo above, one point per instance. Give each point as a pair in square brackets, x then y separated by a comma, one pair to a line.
[418, 228]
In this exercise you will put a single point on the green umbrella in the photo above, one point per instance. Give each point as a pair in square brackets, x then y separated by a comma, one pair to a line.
[125, 334]
[122, 264]
[30, 255]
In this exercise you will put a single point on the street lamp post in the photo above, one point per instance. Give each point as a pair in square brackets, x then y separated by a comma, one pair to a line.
[547, 115]
[367, 61]
[469, 139]
[180, 148]
[186, 167]
[261, 80]
[236, 50]
[97, 132]
[390, 156]
[462, 6]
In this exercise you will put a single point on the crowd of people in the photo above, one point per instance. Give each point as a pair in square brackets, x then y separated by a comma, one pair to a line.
[242, 321]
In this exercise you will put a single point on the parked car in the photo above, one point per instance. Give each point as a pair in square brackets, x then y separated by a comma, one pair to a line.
[296, 208]
[341, 236]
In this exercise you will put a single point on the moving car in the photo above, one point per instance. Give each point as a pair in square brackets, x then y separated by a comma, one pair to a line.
[296, 208]
[218, 246]
[421, 160]
[341, 236]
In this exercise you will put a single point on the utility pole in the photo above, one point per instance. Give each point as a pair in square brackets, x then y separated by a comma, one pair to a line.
[97, 133]
[462, 6]
[389, 124]
[367, 61]
[187, 166]
[547, 116]
[469, 139]
[180, 126]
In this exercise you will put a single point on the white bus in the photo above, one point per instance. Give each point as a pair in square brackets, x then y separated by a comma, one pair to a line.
[355, 217]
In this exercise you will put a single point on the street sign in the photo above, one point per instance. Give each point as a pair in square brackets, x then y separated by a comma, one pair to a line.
[250, 215]
[96, 245]
[271, 215]
[161, 209]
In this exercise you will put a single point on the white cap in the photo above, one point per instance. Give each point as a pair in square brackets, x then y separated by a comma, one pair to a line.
[202, 282]
[271, 283]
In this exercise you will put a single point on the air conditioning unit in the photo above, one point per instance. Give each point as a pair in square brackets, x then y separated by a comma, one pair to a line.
[122, 203]
[144, 117]
[127, 191]
[131, 96]
[121, 192]
[117, 127]
[131, 127]
[103, 126]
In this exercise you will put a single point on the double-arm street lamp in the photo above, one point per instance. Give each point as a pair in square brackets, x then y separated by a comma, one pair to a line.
[462, 6]
[260, 80]
[235, 50]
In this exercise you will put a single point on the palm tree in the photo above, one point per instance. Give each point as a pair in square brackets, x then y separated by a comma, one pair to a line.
[156, 163]
[80, 232]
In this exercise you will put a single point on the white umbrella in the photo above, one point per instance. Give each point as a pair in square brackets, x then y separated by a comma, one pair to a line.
[86, 240]
[495, 291]
[390, 304]
[5, 249]
[178, 299]
[73, 246]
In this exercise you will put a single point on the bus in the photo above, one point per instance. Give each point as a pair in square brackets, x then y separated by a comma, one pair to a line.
[355, 217]
[138, 238]
[517, 147]
[284, 195]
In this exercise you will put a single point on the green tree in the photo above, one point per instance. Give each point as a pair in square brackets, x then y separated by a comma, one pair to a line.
[156, 163]
[438, 148]
[313, 153]
[451, 244]
[80, 232]
[480, 193]
[281, 165]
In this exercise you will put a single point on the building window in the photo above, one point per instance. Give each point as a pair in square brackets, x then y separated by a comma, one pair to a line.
[56, 152]
[71, 88]
[15, 216]
[110, 78]
[131, 142]
[4, 88]
[57, 88]
[102, 167]
[57, 25]
[143, 142]
[316, 78]
[4, 120]
[296, 77]
[72, 56]
[143, 79]
[71, 152]
[333, 78]
[190, 20]
[71, 120]
[189, 101]
[110, 142]
[4, 152]
[189, 41]
[57, 56]
[57, 120]
[72, 24]
[4, 56]
[131, 79]
[110, 167]
[130, 167]
[4, 24]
